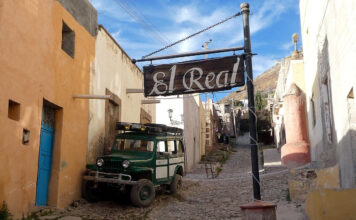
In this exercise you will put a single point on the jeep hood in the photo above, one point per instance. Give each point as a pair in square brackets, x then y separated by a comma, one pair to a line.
[128, 155]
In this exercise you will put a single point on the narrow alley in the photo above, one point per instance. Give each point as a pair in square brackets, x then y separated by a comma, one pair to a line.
[128, 109]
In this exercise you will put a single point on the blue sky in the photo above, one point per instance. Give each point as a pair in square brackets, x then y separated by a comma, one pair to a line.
[272, 24]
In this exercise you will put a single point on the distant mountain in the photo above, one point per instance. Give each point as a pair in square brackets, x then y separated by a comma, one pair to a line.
[265, 83]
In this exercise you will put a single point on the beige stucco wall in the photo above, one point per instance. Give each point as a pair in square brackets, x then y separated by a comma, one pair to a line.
[292, 71]
[192, 130]
[330, 204]
[202, 118]
[113, 70]
[295, 75]
[33, 67]
[329, 43]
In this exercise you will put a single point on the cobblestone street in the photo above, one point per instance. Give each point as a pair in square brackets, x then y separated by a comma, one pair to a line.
[220, 198]
[203, 198]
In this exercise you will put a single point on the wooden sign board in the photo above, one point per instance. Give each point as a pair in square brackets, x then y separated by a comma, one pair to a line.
[194, 76]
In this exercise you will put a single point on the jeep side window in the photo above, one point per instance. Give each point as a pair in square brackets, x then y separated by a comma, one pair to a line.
[160, 147]
[119, 145]
[133, 145]
[180, 149]
[147, 144]
[170, 145]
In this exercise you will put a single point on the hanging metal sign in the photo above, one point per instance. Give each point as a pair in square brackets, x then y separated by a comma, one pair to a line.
[194, 76]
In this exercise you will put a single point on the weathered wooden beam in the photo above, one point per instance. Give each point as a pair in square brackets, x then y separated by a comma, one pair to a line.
[149, 101]
[86, 96]
[134, 91]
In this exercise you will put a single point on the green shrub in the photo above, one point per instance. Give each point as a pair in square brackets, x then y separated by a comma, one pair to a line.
[4, 212]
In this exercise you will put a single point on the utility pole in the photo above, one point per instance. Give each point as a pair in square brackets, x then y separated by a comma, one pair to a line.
[245, 10]
[206, 110]
[206, 46]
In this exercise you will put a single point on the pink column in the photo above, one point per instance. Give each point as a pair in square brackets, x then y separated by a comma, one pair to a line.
[296, 151]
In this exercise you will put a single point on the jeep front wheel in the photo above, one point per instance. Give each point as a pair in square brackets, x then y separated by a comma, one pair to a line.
[143, 193]
[89, 192]
[176, 184]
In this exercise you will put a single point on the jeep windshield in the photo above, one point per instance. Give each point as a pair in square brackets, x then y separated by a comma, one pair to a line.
[133, 145]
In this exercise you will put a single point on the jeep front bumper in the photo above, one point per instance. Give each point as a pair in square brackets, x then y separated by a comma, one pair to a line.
[104, 177]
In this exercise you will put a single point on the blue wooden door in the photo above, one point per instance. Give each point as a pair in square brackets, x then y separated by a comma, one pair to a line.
[44, 160]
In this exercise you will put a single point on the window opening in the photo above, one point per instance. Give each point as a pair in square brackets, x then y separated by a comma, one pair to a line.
[313, 110]
[14, 110]
[68, 40]
[25, 137]
[325, 90]
[227, 108]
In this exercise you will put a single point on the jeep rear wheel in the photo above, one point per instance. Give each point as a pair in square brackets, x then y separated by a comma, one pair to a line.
[176, 184]
[89, 192]
[143, 193]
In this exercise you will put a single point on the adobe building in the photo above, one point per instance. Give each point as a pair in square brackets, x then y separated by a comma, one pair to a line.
[328, 31]
[47, 48]
[113, 74]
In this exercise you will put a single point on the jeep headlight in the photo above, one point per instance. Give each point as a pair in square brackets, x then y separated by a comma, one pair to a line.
[125, 164]
[100, 162]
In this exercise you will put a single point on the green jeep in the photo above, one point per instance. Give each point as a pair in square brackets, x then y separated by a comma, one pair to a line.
[142, 158]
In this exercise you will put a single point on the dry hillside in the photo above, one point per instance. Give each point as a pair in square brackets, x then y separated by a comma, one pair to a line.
[266, 82]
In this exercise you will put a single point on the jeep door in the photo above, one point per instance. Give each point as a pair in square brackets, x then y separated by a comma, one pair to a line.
[161, 161]
[176, 156]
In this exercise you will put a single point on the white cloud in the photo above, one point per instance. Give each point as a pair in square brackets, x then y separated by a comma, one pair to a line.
[262, 63]
[112, 9]
[116, 34]
[287, 46]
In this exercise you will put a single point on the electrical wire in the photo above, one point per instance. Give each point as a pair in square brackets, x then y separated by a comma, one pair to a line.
[153, 25]
[123, 4]
[192, 35]
[142, 20]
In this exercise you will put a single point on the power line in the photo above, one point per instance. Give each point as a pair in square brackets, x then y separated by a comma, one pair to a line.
[142, 21]
[192, 35]
[153, 25]
[136, 17]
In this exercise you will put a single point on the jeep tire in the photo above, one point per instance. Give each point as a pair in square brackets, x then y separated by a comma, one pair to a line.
[176, 184]
[89, 192]
[143, 193]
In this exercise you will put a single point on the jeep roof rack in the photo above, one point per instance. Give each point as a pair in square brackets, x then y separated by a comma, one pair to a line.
[148, 128]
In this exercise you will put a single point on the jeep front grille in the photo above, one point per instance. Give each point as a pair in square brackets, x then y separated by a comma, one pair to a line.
[112, 164]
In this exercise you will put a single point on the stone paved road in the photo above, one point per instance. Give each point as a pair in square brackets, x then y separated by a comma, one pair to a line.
[220, 198]
[203, 198]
